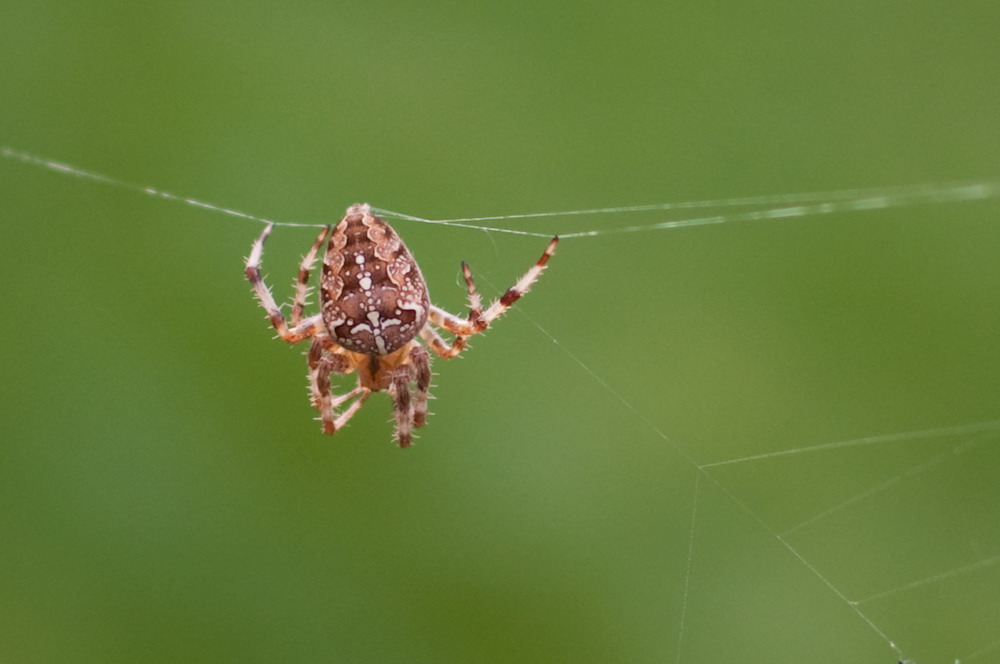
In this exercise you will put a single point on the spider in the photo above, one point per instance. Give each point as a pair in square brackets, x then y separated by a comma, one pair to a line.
[373, 307]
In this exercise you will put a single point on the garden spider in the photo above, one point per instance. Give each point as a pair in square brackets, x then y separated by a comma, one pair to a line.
[373, 306]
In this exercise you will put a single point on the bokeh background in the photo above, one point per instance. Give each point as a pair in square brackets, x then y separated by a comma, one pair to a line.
[166, 496]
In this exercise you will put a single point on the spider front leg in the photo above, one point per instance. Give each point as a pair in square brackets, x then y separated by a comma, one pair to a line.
[522, 286]
[321, 365]
[479, 320]
[302, 283]
[475, 321]
[302, 329]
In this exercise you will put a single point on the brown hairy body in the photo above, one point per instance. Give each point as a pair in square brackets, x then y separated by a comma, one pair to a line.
[375, 317]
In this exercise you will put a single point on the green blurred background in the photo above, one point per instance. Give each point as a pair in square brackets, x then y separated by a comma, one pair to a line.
[165, 495]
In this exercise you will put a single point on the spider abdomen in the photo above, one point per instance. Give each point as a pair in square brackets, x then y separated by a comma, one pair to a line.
[374, 299]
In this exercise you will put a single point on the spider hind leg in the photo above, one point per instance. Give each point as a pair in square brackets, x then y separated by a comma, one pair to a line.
[422, 366]
[402, 401]
[324, 360]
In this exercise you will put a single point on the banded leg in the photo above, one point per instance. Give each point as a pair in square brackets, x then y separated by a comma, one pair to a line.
[477, 322]
[422, 368]
[475, 301]
[399, 388]
[302, 283]
[331, 426]
[321, 365]
[437, 343]
[333, 422]
[301, 330]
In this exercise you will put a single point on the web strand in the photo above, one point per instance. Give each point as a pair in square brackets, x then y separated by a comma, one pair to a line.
[979, 653]
[456, 224]
[935, 578]
[687, 569]
[902, 191]
[66, 169]
[836, 202]
[820, 203]
[919, 469]
[993, 425]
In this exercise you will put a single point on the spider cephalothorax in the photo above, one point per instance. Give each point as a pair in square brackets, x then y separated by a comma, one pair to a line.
[373, 308]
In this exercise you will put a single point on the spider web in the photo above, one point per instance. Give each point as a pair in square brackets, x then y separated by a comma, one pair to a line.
[824, 526]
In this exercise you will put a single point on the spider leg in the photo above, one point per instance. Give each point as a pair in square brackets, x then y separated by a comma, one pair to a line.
[437, 343]
[333, 426]
[475, 301]
[422, 366]
[399, 389]
[300, 330]
[480, 320]
[522, 285]
[301, 284]
[438, 316]
[321, 365]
